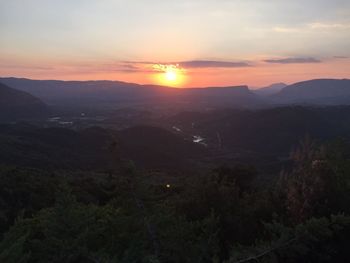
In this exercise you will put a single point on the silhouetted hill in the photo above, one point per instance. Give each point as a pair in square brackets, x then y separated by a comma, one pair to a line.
[235, 96]
[94, 148]
[116, 93]
[154, 147]
[57, 92]
[54, 148]
[270, 90]
[15, 104]
[318, 91]
[271, 131]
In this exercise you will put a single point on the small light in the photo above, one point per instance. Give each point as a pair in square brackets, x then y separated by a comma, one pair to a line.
[168, 186]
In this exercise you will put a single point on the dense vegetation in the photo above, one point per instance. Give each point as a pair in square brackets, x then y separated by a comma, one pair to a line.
[122, 214]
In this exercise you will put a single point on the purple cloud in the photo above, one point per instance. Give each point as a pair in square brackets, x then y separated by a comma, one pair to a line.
[341, 57]
[212, 64]
[293, 60]
[195, 63]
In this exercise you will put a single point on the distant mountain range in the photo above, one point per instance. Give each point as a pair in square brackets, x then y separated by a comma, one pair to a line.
[319, 91]
[270, 90]
[107, 94]
[16, 104]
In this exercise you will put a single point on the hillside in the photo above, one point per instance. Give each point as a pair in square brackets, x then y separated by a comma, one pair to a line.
[318, 91]
[94, 148]
[230, 97]
[15, 104]
[270, 131]
[154, 147]
[270, 90]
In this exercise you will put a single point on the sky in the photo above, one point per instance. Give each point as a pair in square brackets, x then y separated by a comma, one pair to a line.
[184, 43]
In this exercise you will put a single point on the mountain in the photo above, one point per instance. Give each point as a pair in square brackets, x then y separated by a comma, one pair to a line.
[155, 147]
[95, 148]
[318, 91]
[115, 93]
[16, 104]
[54, 148]
[217, 97]
[270, 90]
[270, 131]
[72, 92]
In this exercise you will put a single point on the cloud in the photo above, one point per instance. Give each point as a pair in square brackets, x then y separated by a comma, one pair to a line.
[328, 26]
[212, 64]
[280, 29]
[312, 27]
[146, 66]
[293, 60]
[20, 66]
[340, 57]
[126, 67]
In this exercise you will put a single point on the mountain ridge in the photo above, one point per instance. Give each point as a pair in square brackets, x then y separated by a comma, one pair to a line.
[316, 91]
[17, 104]
[93, 92]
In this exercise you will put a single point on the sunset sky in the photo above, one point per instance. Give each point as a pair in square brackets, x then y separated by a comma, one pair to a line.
[196, 42]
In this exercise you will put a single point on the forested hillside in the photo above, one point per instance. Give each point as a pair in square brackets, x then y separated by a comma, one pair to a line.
[221, 215]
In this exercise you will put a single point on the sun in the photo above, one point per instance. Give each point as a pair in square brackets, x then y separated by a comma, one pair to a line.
[169, 75]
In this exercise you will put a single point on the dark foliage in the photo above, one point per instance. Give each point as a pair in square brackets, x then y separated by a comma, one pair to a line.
[73, 196]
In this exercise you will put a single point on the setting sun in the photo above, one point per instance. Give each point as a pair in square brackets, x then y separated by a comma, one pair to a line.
[169, 75]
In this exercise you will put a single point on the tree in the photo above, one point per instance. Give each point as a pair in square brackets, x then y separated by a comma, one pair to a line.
[306, 186]
[316, 240]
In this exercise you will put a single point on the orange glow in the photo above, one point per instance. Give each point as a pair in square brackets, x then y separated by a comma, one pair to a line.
[169, 75]
[262, 74]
